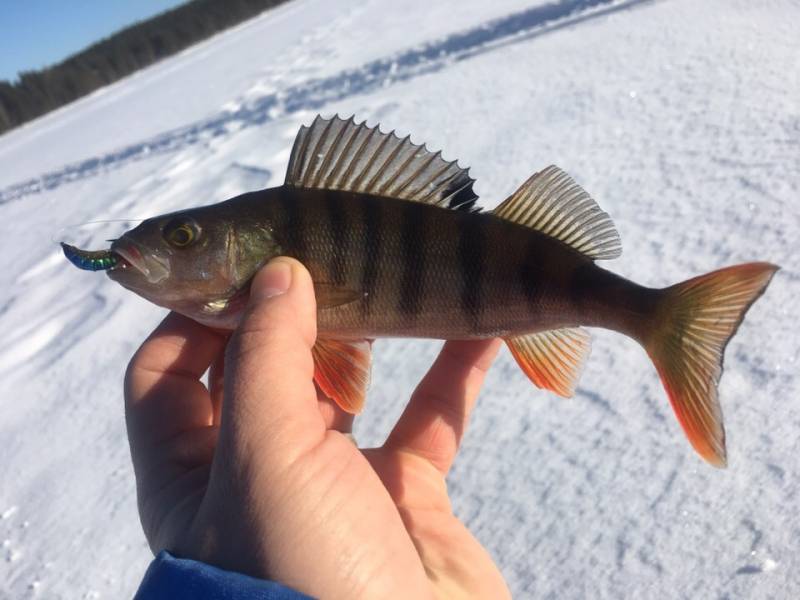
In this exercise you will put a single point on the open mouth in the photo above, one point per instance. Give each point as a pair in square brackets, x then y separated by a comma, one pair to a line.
[129, 257]
[154, 268]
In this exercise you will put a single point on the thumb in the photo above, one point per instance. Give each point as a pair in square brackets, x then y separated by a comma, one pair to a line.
[270, 401]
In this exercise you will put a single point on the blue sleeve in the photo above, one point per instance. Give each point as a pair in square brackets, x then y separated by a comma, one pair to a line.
[171, 578]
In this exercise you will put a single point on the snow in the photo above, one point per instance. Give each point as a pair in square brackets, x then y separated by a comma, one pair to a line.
[683, 120]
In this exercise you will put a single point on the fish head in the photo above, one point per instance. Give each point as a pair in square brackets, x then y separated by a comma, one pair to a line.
[198, 262]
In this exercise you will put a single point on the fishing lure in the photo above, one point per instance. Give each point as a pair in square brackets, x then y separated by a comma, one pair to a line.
[98, 260]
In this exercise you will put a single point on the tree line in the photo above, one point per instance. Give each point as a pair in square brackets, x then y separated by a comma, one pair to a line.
[130, 49]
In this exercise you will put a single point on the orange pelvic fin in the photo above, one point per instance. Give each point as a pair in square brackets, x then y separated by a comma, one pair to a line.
[695, 321]
[554, 359]
[341, 370]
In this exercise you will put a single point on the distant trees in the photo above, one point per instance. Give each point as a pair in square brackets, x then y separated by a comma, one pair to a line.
[112, 58]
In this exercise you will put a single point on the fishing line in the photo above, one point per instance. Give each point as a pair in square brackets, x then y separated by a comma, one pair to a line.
[57, 237]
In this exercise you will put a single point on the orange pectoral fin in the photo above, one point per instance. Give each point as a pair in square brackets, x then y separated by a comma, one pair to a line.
[330, 295]
[341, 370]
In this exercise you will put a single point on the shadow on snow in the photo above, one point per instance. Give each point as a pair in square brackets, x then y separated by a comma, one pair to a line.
[316, 93]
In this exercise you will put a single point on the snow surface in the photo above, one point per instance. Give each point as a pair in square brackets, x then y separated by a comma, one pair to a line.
[682, 118]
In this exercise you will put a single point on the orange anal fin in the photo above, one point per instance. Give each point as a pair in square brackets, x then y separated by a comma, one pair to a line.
[341, 370]
[554, 359]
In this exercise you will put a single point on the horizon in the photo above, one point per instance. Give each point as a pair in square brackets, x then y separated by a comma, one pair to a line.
[41, 33]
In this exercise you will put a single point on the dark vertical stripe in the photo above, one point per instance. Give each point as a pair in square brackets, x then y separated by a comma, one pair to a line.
[412, 244]
[370, 258]
[529, 273]
[295, 225]
[471, 259]
[338, 214]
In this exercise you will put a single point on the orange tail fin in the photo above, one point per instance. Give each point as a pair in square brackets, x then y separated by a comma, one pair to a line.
[694, 323]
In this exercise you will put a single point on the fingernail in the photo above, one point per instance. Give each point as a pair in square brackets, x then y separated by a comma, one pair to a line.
[273, 280]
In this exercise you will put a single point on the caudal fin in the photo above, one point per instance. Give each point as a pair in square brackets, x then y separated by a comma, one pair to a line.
[694, 322]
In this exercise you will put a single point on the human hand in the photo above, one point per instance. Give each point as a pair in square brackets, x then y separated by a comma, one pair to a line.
[265, 482]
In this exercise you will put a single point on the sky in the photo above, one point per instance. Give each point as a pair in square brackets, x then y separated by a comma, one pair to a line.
[37, 33]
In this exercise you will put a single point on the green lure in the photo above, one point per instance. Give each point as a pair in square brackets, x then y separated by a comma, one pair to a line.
[100, 260]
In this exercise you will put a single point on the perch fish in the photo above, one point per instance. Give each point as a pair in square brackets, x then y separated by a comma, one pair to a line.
[396, 248]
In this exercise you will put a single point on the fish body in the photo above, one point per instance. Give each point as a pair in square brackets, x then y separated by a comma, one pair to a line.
[395, 247]
[406, 269]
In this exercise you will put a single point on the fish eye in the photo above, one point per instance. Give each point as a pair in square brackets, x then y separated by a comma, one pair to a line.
[181, 232]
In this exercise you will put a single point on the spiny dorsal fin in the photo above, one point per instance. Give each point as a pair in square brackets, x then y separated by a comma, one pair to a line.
[338, 154]
[553, 359]
[552, 203]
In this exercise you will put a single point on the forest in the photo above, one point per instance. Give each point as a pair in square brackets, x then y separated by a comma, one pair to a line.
[35, 93]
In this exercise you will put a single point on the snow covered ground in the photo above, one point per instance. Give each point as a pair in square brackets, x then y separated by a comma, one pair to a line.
[682, 119]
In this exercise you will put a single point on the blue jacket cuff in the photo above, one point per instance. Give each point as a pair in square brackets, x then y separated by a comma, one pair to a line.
[171, 578]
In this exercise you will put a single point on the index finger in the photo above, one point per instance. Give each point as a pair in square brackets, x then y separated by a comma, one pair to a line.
[435, 419]
[163, 392]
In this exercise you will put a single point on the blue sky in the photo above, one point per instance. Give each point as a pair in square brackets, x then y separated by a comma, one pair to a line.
[36, 33]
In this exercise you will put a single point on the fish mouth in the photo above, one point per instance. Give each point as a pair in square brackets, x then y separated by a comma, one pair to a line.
[154, 268]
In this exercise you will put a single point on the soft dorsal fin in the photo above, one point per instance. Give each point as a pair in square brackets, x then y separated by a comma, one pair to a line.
[339, 154]
[552, 203]
[553, 359]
